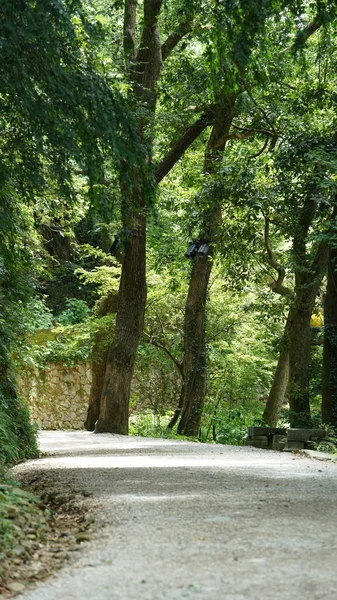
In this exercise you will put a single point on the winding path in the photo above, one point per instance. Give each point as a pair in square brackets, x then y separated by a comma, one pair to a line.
[193, 521]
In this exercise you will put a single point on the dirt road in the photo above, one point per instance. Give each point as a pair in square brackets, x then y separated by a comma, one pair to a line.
[180, 520]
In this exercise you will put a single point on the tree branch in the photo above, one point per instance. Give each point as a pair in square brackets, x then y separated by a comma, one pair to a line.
[262, 111]
[246, 133]
[174, 38]
[261, 149]
[157, 344]
[277, 286]
[254, 130]
[182, 144]
[303, 35]
[231, 136]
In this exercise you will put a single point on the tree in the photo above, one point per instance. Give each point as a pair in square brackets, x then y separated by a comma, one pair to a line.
[242, 32]
[137, 189]
[329, 391]
[57, 113]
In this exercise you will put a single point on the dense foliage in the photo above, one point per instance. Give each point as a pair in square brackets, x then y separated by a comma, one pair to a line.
[58, 115]
[225, 135]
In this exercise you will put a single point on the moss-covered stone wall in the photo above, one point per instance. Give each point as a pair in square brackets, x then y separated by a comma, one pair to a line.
[57, 395]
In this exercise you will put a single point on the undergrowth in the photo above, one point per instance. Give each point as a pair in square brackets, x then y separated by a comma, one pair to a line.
[17, 435]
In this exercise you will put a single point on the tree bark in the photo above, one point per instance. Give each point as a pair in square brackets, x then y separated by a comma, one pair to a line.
[177, 413]
[329, 383]
[99, 357]
[292, 375]
[308, 281]
[277, 395]
[299, 360]
[194, 362]
[114, 409]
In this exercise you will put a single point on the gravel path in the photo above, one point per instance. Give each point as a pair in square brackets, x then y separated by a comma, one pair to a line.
[194, 521]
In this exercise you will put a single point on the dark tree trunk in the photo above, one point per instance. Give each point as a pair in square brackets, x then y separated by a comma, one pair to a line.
[308, 280]
[98, 367]
[195, 348]
[280, 384]
[308, 277]
[299, 360]
[177, 413]
[194, 362]
[114, 411]
[295, 356]
[329, 384]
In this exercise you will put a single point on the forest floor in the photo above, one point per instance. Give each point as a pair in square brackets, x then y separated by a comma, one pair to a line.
[179, 520]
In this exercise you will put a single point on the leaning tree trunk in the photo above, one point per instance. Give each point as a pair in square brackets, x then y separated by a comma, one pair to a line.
[280, 384]
[99, 357]
[194, 362]
[329, 383]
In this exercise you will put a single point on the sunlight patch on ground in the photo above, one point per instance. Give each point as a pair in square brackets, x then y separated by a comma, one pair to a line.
[162, 462]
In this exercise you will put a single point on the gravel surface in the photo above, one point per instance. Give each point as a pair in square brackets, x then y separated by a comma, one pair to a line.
[179, 520]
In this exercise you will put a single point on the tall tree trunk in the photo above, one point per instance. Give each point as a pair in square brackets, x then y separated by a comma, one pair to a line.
[295, 356]
[307, 283]
[299, 360]
[329, 383]
[137, 188]
[114, 410]
[194, 362]
[98, 367]
[277, 395]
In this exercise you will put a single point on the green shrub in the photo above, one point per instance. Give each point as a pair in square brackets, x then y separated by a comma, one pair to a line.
[148, 425]
[229, 425]
[77, 311]
[17, 435]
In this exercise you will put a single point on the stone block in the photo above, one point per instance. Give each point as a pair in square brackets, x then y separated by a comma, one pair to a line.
[304, 435]
[319, 434]
[278, 442]
[262, 431]
[261, 441]
[293, 445]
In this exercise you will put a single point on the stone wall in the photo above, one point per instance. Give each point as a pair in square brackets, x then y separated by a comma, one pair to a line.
[57, 395]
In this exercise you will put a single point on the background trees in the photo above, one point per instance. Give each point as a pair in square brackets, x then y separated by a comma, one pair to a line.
[152, 126]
